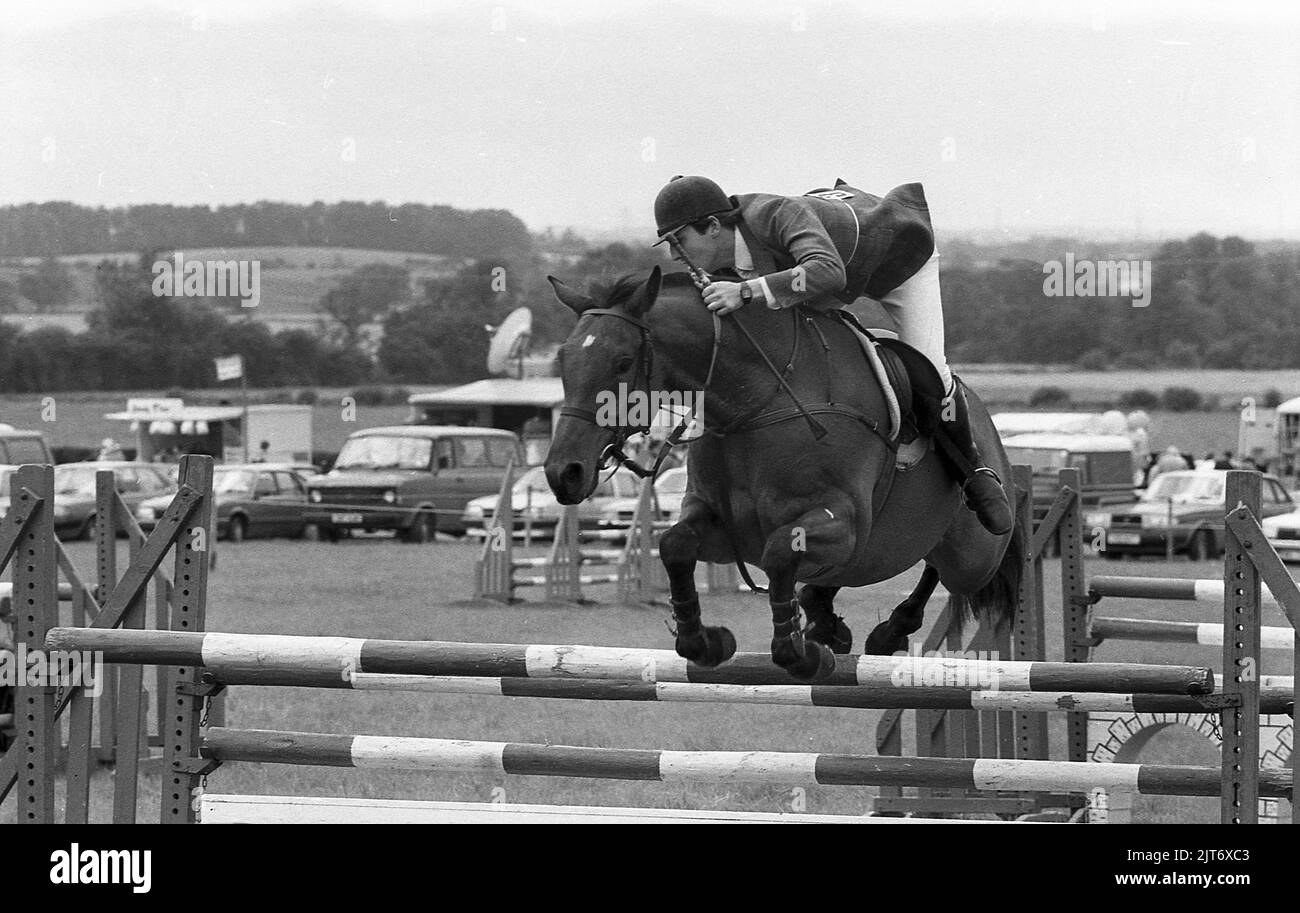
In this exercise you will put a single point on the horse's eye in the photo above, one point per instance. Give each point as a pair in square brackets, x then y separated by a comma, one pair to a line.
[623, 363]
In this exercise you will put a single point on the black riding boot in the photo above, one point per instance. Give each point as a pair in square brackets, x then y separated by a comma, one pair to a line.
[981, 485]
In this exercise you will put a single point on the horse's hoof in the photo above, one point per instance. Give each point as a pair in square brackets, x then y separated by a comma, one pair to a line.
[721, 646]
[879, 643]
[813, 663]
[712, 646]
[830, 630]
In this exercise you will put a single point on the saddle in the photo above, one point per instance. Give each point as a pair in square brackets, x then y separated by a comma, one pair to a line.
[910, 376]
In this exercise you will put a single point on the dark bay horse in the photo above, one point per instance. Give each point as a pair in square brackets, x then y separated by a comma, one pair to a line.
[829, 511]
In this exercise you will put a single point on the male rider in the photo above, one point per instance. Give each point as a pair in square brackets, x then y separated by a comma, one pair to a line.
[824, 248]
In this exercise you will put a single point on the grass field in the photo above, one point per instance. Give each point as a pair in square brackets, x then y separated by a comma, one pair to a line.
[292, 279]
[377, 588]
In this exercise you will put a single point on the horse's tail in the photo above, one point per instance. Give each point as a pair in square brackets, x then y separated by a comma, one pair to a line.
[995, 603]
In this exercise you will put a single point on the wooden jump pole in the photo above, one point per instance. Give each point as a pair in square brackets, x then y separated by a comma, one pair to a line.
[286, 653]
[777, 767]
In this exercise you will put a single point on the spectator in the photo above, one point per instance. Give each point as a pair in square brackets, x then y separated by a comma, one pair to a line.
[1206, 463]
[1226, 461]
[1170, 461]
[109, 449]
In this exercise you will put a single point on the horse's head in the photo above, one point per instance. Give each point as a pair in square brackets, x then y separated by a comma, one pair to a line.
[607, 354]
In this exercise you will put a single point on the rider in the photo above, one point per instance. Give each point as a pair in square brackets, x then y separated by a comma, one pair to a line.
[827, 247]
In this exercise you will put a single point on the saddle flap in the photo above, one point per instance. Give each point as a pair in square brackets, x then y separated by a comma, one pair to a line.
[923, 384]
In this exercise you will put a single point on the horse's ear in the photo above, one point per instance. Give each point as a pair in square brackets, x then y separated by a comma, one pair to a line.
[645, 296]
[570, 298]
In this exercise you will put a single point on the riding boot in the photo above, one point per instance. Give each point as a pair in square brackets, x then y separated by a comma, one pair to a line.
[980, 484]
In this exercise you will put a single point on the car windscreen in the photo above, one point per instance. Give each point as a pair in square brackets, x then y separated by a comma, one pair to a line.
[1185, 488]
[74, 481]
[1041, 459]
[672, 484]
[534, 480]
[25, 450]
[380, 452]
[233, 481]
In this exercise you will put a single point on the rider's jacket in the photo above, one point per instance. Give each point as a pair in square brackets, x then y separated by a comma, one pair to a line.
[841, 243]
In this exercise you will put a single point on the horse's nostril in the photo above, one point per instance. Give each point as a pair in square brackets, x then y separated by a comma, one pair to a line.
[572, 475]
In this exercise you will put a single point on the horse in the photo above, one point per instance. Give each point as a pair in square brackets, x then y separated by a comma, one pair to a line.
[794, 471]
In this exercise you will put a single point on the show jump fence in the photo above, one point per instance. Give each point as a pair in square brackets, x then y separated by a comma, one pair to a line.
[572, 565]
[199, 664]
[1107, 733]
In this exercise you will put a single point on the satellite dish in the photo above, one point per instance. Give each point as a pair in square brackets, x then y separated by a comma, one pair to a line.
[510, 343]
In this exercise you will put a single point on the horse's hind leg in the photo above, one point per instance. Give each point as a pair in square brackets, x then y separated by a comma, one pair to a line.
[890, 636]
[824, 626]
[679, 550]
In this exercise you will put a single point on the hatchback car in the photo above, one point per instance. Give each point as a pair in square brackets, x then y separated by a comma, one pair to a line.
[534, 503]
[251, 500]
[670, 491]
[1185, 506]
[74, 491]
[1283, 533]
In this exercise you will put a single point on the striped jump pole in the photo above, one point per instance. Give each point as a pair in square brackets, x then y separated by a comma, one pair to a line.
[284, 654]
[1169, 588]
[1274, 697]
[776, 767]
[1185, 632]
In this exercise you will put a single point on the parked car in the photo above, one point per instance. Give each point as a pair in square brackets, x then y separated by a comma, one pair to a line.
[531, 499]
[1283, 532]
[413, 479]
[1185, 505]
[18, 447]
[251, 500]
[670, 490]
[74, 491]
[6, 474]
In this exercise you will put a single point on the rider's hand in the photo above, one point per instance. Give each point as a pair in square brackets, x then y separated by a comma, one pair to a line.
[723, 297]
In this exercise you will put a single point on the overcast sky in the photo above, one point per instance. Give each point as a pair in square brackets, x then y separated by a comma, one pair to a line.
[1115, 118]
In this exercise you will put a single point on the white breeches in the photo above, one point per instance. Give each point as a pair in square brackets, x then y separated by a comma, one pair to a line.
[916, 307]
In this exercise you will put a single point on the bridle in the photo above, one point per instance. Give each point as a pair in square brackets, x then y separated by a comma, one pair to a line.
[645, 357]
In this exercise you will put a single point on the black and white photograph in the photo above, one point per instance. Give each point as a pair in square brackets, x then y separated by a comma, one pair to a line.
[663, 411]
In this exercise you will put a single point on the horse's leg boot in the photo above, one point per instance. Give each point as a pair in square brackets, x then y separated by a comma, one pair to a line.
[982, 487]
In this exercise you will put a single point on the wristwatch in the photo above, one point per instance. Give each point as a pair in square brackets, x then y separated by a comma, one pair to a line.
[746, 293]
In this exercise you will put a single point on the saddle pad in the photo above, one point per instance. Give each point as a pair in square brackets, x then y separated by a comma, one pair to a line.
[882, 377]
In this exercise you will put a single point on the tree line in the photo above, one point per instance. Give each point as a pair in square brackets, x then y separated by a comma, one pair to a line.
[59, 228]
[1217, 303]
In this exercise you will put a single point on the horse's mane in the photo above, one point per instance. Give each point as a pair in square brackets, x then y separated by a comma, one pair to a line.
[620, 291]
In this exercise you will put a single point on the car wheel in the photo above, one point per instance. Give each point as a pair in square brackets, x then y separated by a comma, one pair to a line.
[1201, 548]
[87, 529]
[421, 530]
[237, 529]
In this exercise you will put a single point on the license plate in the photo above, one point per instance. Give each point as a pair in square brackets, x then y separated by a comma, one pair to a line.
[345, 518]
[1124, 538]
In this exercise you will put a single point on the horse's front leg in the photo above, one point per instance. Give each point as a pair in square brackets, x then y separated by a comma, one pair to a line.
[679, 550]
[820, 538]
